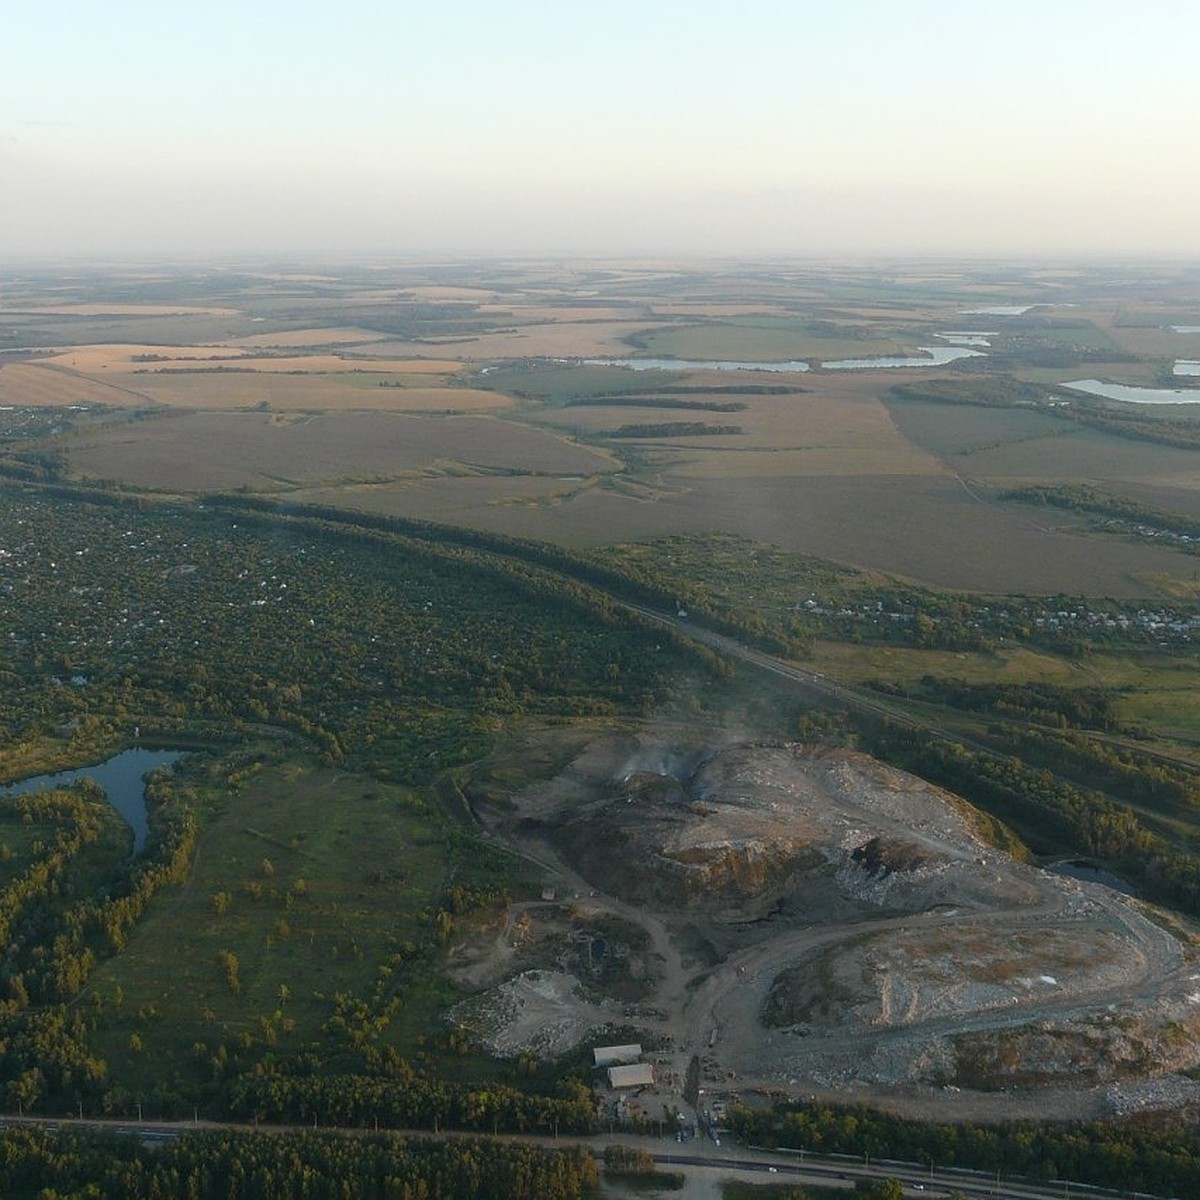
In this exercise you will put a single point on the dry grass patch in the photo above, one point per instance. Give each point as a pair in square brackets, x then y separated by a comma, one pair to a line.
[124, 356]
[309, 364]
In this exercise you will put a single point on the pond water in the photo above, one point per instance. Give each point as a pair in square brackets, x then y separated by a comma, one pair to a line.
[121, 777]
[686, 364]
[968, 337]
[1089, 873]
[1135, 395]
[930, 356]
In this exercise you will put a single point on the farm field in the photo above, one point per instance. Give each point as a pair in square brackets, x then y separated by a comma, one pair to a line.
[166, 360]
[280, 450]
[823, 462]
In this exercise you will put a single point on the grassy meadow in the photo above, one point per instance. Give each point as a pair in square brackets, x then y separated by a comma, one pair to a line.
[313, 883]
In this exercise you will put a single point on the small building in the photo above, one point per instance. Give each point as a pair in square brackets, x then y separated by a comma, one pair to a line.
[615, 1056]
[634, 1075]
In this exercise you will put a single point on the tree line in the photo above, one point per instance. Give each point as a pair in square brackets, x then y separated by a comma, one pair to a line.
[1140, 1154]
[36, 1164]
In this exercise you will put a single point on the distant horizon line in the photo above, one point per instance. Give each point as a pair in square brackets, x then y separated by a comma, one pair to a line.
[224, 258]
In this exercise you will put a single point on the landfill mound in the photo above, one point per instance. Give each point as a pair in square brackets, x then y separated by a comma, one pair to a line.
[814, 919]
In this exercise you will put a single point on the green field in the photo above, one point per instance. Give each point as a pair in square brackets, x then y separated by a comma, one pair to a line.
[320, 884]
[767, 340]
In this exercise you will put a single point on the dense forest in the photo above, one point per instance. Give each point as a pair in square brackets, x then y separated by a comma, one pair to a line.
[40, 1165]
[1139, 1155]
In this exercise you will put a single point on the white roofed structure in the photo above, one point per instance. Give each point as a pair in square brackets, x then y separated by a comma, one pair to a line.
[634, 1075]
[612, 1056]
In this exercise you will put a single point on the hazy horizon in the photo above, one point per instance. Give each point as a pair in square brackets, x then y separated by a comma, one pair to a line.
[709, 129]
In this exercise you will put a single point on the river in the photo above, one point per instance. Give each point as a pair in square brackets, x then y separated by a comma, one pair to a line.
[121, 777]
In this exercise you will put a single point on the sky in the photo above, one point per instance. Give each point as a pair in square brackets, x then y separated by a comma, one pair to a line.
[599, 127]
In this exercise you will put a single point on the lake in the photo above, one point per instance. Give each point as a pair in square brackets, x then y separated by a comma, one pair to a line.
[686, 364]
[121, 777]
[968, 337]
[930, 356]
[1135, 395]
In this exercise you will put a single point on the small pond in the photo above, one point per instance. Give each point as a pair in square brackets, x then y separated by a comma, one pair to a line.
[968, 337]
[121, 777]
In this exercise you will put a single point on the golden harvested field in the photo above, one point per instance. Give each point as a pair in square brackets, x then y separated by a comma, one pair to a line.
[32, 384]
[205, 450]
[314, 364]
[165, 359]
[119, 356]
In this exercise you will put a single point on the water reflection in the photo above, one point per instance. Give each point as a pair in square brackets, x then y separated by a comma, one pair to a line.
[1135, 395]
[121, 777]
